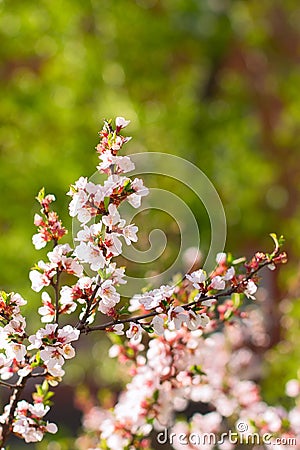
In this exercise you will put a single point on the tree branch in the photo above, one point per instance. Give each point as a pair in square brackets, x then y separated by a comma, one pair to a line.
[228, 292]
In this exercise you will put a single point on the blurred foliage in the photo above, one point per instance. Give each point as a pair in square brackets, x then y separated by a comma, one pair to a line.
[213, 81]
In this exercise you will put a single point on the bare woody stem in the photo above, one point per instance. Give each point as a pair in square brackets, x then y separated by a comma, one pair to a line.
[228, 292]
[6, 428]
[81, 324]
[8, 385]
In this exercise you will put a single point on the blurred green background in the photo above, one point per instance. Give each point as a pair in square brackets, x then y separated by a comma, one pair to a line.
[214, 81]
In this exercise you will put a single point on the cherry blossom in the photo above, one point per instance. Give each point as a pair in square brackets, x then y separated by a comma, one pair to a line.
[175, 366]
[134, 332]
[177, 317]
[158, 325]
[112, 218]
[251, 288]
[90, 254]
[121, 122]
[197, 278]
[218, 283]
[153, 299]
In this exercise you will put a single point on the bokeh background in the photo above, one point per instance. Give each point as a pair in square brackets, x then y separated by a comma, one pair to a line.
[216, 82]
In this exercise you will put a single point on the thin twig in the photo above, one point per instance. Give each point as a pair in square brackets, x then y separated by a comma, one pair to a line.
[8, 385]
[81, 324]
[6, 428]
[137, 319]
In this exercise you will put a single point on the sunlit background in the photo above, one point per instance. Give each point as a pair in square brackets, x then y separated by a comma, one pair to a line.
[216, 82]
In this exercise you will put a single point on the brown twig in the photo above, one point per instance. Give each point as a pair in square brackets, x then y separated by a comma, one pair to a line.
[136, 319]
[6, 428]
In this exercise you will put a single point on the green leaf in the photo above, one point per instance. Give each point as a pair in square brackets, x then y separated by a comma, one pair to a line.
[229, 258]
[236, 298]
[41, 195]
[4, 296]
[149, 329]
[37, 361]
[45, 386]
[115, 338]
[276, 242]
[127, 186]
[124, 310]
[156, 395]
[228, 314]
[106, 202]
[197, 369]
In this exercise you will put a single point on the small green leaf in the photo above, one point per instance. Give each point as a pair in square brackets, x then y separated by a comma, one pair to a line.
[41, 195]
[4, 296]
[45, 386]
[156, 395]
[228, 314]
[149, 329]
[127, 186]
[229, 258]
[124, 310]
[276, 242]
[106, 202]
[150, 420]
[236, 298]
[115, 338]
[197, 369]
[38, 361]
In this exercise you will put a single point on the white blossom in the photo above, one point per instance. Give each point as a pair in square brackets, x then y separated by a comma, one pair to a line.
[196, 278]
[121, 122]
[134, 332]
[250, 289]
[218, 283]
[158, 325]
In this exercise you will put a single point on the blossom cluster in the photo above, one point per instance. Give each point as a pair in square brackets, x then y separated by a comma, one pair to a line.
[49, 226]
[177, 369]
[29, 421]
[181, 320]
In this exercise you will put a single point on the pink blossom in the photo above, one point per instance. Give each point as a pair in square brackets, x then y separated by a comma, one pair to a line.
[38, 241]
[134, 332]
[250, 289]
[129, 233]
[196, 278]
[116, 274]
[42, 277]
[194, 321]
[17, 351]
[221, 258]
[158, 325]
[292, 388]
[112, 218]
[90, 254]
[113, 244]
[177, 317]
[229, 274]
[118, 329]
[218, 283]
[47, 311]
[121, 122]
[109, 296]
[152, 299]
